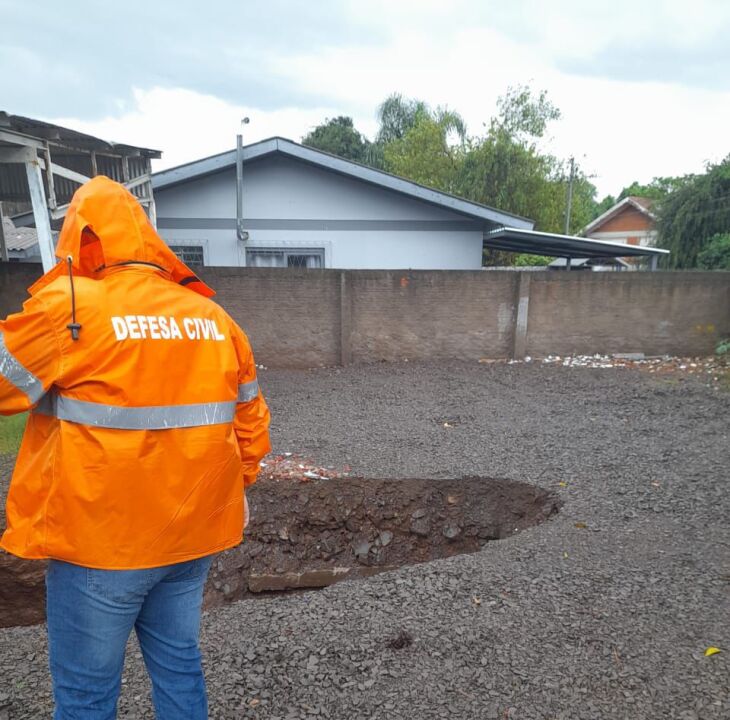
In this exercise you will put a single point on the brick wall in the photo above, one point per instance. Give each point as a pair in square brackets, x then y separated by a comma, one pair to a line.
[677, 313]
[292, 317]
[306, 318]
[431, 314]
[628, 219]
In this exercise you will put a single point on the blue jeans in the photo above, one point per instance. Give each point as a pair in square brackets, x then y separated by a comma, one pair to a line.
[90, 616]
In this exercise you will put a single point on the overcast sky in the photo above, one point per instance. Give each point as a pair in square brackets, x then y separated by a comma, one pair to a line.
[644, 86]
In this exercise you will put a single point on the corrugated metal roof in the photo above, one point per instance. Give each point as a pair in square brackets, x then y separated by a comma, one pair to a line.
[58, 135]
[69, 149]
[21, 238]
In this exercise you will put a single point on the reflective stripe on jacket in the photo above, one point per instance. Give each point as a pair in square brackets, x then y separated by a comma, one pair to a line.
[144, 431]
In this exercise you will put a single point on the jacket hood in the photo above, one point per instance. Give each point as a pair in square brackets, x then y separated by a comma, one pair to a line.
[120, 233]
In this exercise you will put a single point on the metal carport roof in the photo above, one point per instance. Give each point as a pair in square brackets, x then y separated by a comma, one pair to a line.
[512, 239]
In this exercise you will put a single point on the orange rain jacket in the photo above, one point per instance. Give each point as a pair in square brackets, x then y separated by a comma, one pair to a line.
[145, 430]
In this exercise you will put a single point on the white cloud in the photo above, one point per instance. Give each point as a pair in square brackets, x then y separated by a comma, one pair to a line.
[186, 125]
[466, 54]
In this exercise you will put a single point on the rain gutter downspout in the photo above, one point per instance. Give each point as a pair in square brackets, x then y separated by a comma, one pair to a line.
[240, 232]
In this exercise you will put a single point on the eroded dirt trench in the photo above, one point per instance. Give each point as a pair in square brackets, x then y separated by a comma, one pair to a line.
[311, 534]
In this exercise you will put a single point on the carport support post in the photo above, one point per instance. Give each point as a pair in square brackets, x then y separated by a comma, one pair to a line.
[519, 349]
[40, 213]
[345, 321]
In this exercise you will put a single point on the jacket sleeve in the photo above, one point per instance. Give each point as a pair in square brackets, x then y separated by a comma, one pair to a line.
[251, 422]
[30, 357]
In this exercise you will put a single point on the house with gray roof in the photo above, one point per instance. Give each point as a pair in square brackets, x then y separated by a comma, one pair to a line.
[277, 203]
[303, 207]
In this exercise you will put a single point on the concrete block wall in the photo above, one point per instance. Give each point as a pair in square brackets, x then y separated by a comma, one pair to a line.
[674, 313]
[309, 318]
[431, 314]
[292, 316]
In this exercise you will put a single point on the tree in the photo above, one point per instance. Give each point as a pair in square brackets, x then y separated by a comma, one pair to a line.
[522, 116]
[424, 152]
[339, 137]
[397, 115]
[690, 217]
[657, 189]
[716, 254]
[507, 169]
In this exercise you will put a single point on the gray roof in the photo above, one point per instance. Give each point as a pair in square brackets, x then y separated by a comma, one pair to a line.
[512, 239]
[215, 163]
[22, 238]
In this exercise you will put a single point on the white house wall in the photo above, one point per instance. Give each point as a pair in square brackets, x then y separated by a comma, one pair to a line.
[288, 203]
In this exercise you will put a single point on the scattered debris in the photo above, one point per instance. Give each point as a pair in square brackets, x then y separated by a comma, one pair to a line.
[712, 651]
[712, 368]
[658, 364]
[289, 466]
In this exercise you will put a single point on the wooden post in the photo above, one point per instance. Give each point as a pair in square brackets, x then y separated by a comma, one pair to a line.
[3, 244]
[519, 350]
[49, 177]
[40, 214]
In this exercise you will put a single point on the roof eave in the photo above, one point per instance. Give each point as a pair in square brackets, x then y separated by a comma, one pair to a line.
[223, 161]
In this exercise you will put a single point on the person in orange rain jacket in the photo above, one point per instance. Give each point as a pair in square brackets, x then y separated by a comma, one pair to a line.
[146, 424]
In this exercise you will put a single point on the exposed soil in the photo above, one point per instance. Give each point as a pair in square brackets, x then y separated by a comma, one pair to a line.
[312, 534]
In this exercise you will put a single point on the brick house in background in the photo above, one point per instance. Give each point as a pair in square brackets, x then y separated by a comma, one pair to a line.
[630, 221]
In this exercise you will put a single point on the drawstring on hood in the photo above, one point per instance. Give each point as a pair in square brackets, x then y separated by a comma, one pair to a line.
[73, 327]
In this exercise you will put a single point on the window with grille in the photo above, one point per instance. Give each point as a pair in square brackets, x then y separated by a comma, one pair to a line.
[190, 254]
[285, 257]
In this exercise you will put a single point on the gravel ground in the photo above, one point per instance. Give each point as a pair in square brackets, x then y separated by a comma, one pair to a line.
[603, 612]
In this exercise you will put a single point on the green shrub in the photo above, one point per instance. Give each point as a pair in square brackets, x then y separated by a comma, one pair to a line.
[716, 255]
[526, 260]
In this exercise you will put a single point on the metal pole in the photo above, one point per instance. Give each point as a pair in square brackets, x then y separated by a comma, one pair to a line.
[570, 196]
[567, 262]
[40, 214]
[240, 232]
[239, 182]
